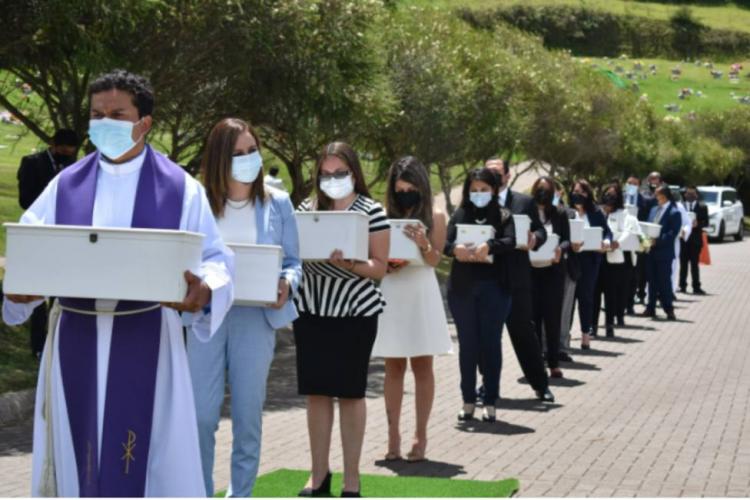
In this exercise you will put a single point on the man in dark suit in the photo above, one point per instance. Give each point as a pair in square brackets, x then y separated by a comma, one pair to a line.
[662, 253]
[691, 249]
[35, 172]
[520, 322]
[38, 169]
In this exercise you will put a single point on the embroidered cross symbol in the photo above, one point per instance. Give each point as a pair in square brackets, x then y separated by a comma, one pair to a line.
[129, 447]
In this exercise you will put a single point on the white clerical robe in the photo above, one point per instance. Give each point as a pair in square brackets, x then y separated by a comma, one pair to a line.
[174, 464]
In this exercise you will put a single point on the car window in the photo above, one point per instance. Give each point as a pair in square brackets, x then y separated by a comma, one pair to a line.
[709, 196]
[729, 196]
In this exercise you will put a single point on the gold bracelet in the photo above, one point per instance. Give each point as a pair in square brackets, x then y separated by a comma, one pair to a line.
[428, 249]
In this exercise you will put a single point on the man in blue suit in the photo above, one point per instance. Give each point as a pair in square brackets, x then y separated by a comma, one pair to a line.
[659, 259]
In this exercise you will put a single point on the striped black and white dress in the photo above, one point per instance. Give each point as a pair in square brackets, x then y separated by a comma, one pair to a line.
[338, 320]
[334, 292]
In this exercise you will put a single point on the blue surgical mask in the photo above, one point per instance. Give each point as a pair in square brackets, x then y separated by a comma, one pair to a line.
[631, 190]
[245, 168]
[555, 200]
[113, 138]
[480, 200]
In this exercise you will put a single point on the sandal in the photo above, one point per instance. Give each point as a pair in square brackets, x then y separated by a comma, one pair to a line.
[393, 456]
[416, 455]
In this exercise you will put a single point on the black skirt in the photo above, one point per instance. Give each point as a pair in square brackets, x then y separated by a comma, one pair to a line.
[333, 354]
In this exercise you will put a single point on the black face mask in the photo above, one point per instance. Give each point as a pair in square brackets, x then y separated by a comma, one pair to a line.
[408, 199]
[610, 200]
[543, 197]
[63, 160]
[578, 199]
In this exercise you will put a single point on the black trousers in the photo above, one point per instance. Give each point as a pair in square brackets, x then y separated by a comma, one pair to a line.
[548, 294]
[689, 255]
[522, 334]
[612, 284]
[642, 281]
[38, 334]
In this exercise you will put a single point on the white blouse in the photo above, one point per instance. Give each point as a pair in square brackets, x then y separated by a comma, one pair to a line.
[238, 224]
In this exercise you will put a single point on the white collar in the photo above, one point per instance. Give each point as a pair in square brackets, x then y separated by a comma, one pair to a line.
[120, 169]
[503, 196]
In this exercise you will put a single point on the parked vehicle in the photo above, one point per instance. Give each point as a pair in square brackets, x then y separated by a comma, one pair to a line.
[725, 212]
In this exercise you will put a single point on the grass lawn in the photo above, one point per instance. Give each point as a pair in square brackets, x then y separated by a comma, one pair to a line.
[19, 368]
[662, 90]
[722, 17]
[287, 483]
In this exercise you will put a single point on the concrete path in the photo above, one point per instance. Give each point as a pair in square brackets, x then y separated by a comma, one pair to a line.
[660, 410]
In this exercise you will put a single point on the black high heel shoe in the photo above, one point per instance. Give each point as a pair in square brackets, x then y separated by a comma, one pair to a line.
[324, 490]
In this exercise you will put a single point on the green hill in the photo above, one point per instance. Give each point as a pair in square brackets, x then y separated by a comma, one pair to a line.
[730, 17]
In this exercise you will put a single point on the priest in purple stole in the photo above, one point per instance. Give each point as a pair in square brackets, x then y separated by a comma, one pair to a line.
[114, 412]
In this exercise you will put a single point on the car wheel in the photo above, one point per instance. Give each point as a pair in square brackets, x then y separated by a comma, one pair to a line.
[722, 231]
[740, 233]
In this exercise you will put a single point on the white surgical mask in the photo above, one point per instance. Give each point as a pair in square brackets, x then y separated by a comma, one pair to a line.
[555, 200]
[113, 138]
[631, 190]
[480, 200]
[245, 168]
[338, 189]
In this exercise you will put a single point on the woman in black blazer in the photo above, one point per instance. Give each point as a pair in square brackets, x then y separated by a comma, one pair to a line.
[548, 278]
[582, 199]
[478, 292]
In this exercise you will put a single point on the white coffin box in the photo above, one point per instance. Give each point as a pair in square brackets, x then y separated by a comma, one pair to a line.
[320, 233]
[592, 239]
[632, 210]
[257, 269]
[100, 263]
[474, 234]
[650, 229]
[522, 224]
[576, 230]
[402, 248]
[630, 243]
[544, 255]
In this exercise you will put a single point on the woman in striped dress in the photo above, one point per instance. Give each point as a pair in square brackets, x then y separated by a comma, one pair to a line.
[339, 303]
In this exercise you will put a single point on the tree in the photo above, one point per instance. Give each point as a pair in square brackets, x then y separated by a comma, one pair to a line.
[311, 75]
[454, 94]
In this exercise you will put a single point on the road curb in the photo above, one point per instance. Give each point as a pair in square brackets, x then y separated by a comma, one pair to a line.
[16, 406]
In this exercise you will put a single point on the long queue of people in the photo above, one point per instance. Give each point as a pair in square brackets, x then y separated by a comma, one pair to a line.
[343, 311]
[348, 311]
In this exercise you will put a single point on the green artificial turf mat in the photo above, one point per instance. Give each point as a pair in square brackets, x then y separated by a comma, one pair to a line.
[287, 483]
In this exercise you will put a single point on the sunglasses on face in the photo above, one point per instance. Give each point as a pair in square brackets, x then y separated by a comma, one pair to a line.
[338, 174]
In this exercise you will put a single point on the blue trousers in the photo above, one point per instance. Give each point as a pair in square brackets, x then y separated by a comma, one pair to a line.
[242, 348]
[479, 315]
[659, 276]
[586, 288]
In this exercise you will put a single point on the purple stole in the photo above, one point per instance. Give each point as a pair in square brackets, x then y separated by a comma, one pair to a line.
[134, 352]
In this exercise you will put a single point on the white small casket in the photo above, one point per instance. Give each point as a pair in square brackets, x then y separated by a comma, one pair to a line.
[544, 255]
[632, 210]
[522, 223]
[100, 262]
[402, 248]
[650, 230]
[630, 243]
[576, 230]
[474, 234]
[320, 233]
[592, 239]
[257, 269]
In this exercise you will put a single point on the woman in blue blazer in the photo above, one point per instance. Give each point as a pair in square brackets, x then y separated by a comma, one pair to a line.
[246, 212]
[582, 199]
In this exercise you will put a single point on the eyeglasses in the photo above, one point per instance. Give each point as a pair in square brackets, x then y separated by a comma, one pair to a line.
[338, 174]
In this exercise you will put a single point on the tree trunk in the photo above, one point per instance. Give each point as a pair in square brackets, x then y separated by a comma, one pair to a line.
[300, 188]
[445, 186]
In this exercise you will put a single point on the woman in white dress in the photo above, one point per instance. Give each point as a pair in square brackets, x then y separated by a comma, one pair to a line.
[414, 324]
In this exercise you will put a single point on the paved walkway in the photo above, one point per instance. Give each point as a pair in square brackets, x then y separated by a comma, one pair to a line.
[660, 410]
